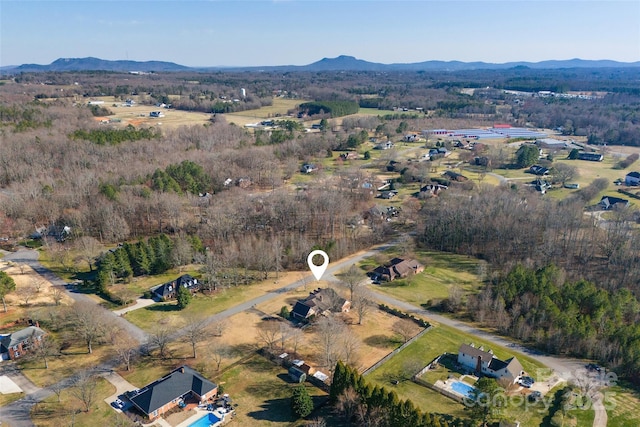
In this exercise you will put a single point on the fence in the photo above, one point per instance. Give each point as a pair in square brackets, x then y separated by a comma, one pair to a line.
[394, 352]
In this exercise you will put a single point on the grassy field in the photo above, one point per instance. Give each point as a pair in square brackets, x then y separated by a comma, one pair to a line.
[70, 411]
[418, 354]
[71, 360]
[442, 271]
[623, 406]
[279, 108]
[5, 399]
[262, 392]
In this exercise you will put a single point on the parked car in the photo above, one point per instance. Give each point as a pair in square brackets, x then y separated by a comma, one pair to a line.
[526, 382]
[119, 404]
[593, 367]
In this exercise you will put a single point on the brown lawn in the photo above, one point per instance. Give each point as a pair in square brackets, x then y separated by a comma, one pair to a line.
[29, 281]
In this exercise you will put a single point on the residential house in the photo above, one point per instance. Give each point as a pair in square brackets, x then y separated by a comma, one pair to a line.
[17, 344]
[397, 268]
[632, 179]
[388, 195]
[349, 155]
[387, 145]
[455, 176]
[412, 137]
[57, 232]
[610, 202]
[169, 290]
[593, 157]
[162, 395]
[322, 301]
[539, 170]
[156, 114]
[483, 362]
[308, 168]
[431, 190]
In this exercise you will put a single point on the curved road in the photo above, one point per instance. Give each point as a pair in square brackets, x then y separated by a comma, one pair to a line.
[18, 412]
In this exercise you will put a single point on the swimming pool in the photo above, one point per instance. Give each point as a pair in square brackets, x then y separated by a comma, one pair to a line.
[462, 388]
[205, 421]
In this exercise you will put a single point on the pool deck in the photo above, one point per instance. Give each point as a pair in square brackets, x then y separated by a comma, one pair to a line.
[199, 414]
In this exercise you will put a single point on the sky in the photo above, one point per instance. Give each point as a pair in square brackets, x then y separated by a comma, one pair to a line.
[299, 32]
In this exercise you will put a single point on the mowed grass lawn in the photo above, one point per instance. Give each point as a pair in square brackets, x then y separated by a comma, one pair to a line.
[442, 272]
[70, 410]
[418, 354]
[262, 391]
[204, 305]
[623, 406]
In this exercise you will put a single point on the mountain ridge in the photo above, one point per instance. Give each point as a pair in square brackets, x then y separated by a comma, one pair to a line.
[339, 63]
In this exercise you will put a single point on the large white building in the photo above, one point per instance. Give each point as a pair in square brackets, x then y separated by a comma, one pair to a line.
[485, 363]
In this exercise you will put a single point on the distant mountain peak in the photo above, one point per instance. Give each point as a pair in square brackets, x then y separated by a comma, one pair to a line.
[339, 63]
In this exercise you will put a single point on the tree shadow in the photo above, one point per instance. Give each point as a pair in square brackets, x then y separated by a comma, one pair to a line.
[381, 341]
[165, 308]
[279, 410]
[274, 410]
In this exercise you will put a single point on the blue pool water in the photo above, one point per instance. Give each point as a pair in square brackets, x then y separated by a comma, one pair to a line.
[461, 388]
[205, 421]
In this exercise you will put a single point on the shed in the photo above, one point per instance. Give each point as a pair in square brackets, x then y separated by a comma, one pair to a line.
[297, 375]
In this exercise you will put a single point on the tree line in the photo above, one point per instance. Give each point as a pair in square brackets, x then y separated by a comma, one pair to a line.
[576, 318]
[360, 403]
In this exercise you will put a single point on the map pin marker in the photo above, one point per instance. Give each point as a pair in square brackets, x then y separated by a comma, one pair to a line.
[318, 270]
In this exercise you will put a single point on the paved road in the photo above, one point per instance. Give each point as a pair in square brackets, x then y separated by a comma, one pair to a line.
[565, 368]
[30, 257]
[18, 412]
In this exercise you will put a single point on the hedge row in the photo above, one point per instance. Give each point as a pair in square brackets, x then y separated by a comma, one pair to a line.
[403, 315]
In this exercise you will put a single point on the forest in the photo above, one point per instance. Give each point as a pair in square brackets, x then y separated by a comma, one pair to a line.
[556, 275]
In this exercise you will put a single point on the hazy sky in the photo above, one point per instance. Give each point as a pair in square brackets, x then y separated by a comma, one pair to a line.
[298, 32]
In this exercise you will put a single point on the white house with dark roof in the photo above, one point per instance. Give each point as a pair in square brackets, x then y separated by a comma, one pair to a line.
[632, 179]
[485, 363]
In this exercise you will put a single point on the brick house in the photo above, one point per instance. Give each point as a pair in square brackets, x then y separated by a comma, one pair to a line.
[17, 344]
[162, 395]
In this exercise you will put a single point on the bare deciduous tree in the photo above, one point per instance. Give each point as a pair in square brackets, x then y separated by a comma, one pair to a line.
[44, 349]
[126, 348]
[195, 332]
[362, 302]
[328, 328]
[296, 337]
[88, 249]
[90, 322]
[57, 293]
[352, 279]
[348, 403]
[218, 352]
[26, 293]
[85, 389]
[405, 328]
[219, 327]
[269, 333]
[160, 339]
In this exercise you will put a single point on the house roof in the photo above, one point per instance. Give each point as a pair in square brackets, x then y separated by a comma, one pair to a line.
[173, 386]
[170, 287]
[322, 299]
[16, 338]
[514, 367]
[634, 174]
[474, 352]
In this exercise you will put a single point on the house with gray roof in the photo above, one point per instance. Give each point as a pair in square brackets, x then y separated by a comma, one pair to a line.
[17, 344]
[483, 362]
[162, 395]
[322, 301]
[169, 290]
